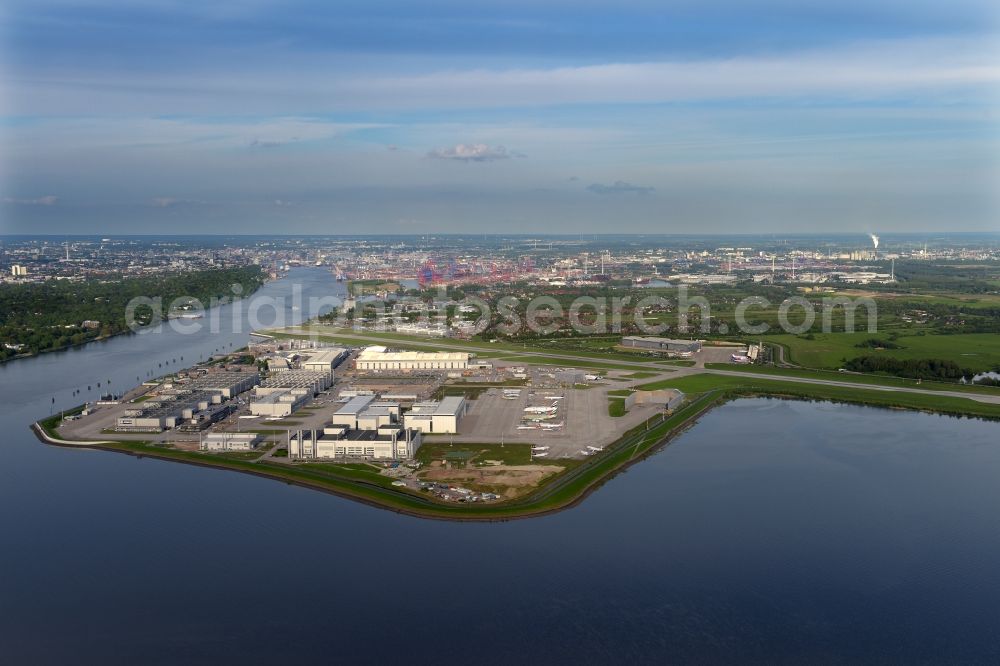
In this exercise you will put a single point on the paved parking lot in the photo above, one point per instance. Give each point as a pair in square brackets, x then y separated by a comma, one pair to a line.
[584, 413]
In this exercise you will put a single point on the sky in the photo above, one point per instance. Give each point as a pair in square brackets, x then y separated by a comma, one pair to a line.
[513, 116]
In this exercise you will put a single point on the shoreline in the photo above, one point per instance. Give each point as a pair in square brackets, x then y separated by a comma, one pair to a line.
[127, 331]
[564, 491]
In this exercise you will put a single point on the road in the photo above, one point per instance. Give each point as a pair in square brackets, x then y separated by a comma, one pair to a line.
[673, 373]
[489, 350]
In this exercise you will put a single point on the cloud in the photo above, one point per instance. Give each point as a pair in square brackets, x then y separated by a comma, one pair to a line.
[258, 143]
[619, 187]
[476, 152]
[47, 200]
[871, 69]
[170, 202]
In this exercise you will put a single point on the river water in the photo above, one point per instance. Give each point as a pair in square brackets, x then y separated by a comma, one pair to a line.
[786, 532]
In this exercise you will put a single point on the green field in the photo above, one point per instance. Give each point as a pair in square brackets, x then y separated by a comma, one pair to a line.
[556, 354]
[979, 351]
[508, 454]
[854, 378]
[699, 384]
[616, 407]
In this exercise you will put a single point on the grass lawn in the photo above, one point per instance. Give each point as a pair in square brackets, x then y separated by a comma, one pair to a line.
[616, 407]
[470, 392]
[853, 377]
[566, 362]
[697, 384]
[508, 454]
[492, 349]
[979, 351]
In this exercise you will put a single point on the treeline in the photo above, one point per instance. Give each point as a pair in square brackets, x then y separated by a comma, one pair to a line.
[50, 315]
[923, 368]
[876, 343]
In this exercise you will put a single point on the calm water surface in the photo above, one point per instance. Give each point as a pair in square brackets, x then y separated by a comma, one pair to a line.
[772, 531]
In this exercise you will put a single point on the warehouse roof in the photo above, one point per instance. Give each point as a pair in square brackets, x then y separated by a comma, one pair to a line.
[380, 354]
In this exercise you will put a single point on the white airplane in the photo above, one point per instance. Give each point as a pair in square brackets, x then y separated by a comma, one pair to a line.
[595, 449]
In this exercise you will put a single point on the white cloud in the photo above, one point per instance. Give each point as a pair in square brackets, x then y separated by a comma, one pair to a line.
[171, 202]
[47, 200]
[619, 187]
[872, 69]
[476, 152]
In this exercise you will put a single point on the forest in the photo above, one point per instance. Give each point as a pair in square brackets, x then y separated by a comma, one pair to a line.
[55, 314]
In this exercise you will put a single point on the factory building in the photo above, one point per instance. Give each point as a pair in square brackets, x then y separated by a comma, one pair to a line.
[306, 381]
[324, 360]
[380, 358]
[281, 402]
[661, 344]
[230, 441]
[364, 413]
[439, 416]
[227, 383]
[171, 410]
[388, 442]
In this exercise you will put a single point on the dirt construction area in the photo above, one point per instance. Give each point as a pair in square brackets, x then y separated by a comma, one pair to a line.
[508, 481]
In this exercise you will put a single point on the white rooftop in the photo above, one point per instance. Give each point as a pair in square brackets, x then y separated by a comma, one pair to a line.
[381, 354]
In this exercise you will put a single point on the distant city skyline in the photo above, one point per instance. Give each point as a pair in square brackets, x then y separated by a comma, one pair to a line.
[550, 117]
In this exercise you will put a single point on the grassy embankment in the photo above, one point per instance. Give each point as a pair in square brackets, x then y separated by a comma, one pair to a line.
[856, 378]
[697, 384]
[356, 482]
[580, 477]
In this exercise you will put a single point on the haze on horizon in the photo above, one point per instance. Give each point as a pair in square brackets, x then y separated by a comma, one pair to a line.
[505, 117]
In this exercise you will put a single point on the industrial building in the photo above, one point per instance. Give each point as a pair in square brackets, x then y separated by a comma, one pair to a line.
[380, 358]
[661, 344]
[279, 403]
[191, 403]
[284, 392]
[306, 380]
[227, 383]
[364, 413]
[438, 416]
[230, 441]
[172, 410]
[324, 360]
[389, 442]
[361, 428]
